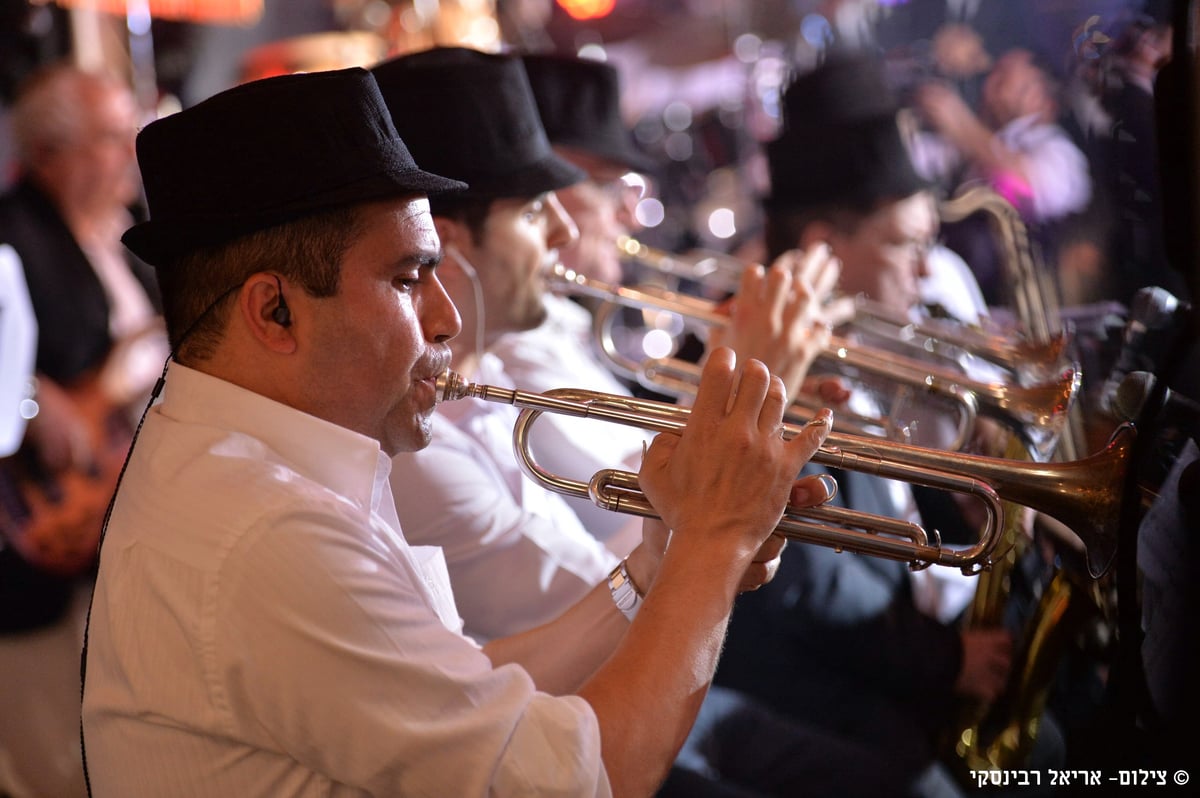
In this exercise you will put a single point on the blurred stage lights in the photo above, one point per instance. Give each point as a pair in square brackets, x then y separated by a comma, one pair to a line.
[722, 223]
[226, 12]
[587, 9]
[650, 212]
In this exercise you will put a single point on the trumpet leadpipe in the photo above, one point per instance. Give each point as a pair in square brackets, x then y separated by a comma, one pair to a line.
[715, 271]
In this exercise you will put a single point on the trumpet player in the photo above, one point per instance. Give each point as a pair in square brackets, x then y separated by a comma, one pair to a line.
[579, 106]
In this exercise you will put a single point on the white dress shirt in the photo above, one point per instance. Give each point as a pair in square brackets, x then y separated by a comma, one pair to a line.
[1058, 174]
[950, 284]
[261, 627]
[558, 354]
[1056, 181]
[517, 554]
[941, 593]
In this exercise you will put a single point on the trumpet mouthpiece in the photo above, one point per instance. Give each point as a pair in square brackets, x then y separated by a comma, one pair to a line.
[452, 386]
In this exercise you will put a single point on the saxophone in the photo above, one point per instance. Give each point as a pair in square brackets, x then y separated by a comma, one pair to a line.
[1000, 736]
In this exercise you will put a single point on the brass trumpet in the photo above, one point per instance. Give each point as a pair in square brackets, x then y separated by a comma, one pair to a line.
[680, 378]
[950, 340]
[1015, 352]
[1085, 495]
[714, 270]
[1036, 413]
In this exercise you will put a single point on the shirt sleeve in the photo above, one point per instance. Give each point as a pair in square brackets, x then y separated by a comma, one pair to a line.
[327, 647]
[515, 561]
[1061, 183]
[1057, 172]
[950, 283]
[578, 448]
[545, 359]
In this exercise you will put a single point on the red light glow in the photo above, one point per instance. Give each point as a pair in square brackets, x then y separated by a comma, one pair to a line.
[587, 9]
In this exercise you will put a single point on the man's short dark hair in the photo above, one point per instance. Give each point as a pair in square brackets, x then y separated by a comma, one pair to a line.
[196, 288]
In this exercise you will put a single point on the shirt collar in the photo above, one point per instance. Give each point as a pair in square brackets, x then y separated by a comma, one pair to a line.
[350, 464]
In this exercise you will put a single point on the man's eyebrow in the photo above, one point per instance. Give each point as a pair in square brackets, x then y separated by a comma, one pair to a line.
[426, 259]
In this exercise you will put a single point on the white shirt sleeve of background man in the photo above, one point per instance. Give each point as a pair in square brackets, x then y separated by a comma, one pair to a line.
[1057, 171]
[517, 555]
[951, 284]
[558, 354]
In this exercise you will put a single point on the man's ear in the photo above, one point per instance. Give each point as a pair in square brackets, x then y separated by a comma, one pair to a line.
[260, 301]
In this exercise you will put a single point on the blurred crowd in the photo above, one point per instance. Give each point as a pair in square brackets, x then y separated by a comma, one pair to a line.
[1052, 107]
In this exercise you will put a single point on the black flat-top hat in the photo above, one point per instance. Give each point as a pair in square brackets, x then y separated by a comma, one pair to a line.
[579, 100]
[471, 115]
[840, 143]
[269, 152]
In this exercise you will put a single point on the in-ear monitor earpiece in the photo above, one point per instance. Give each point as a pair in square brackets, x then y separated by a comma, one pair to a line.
[281, 315]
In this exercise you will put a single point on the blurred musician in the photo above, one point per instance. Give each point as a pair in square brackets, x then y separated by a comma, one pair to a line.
[1012, 142]
[74, 133]
[841, 174]
[847, 642]
[579, 105]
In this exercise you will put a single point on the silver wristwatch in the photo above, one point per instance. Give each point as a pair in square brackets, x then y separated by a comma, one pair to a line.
[625, 594]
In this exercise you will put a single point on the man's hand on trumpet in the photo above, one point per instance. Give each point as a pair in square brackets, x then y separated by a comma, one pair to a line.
[722, 484]
[832, 391]
[643, 562]
[782, 315]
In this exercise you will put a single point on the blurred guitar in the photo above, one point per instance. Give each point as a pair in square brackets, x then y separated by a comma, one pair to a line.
[53, 517]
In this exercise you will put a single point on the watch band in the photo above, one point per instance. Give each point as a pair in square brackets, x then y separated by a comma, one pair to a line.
[625, 594]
